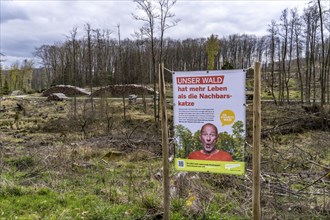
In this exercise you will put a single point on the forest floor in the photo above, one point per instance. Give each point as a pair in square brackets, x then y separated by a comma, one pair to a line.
[102, 164]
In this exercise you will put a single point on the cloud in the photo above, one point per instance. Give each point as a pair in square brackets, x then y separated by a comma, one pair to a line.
[26, 25]
[10, 12]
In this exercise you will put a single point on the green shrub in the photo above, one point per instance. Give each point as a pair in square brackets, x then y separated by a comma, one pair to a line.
[22, 163]
[151, 202]
[11, 190]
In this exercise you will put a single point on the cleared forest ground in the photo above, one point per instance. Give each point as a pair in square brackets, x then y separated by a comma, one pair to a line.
[100, 164]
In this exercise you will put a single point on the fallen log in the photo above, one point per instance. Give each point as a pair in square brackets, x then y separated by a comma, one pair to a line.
[299, 124]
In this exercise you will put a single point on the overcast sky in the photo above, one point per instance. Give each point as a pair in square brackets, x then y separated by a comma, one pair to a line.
[27, 24]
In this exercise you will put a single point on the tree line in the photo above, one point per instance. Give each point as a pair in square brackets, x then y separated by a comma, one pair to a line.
[295, 54]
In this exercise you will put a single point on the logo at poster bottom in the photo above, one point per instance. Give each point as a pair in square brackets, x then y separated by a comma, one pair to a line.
[225, 167]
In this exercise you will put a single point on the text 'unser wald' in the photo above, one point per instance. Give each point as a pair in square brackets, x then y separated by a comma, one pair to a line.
[200, 80]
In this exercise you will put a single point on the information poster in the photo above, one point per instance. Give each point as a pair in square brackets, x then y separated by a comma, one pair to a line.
[209, 121]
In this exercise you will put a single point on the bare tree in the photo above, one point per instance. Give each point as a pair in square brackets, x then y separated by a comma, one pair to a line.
[297, 29]
[73, 34]
[94, 60]
[283, 72]
[120, 66]
[165, 14]
[89, 52]
[273, 34]
[46, 54]
[149, 19]
[148, 29]
[310, 17]
[323, 62]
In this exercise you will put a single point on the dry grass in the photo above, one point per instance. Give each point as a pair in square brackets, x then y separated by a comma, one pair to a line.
[46, 151]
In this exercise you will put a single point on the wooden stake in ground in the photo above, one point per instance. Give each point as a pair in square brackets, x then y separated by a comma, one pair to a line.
[166, 178]
[256, 211]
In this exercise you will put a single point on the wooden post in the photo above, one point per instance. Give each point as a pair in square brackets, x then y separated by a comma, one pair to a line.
[256, 143]
[166, 178]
